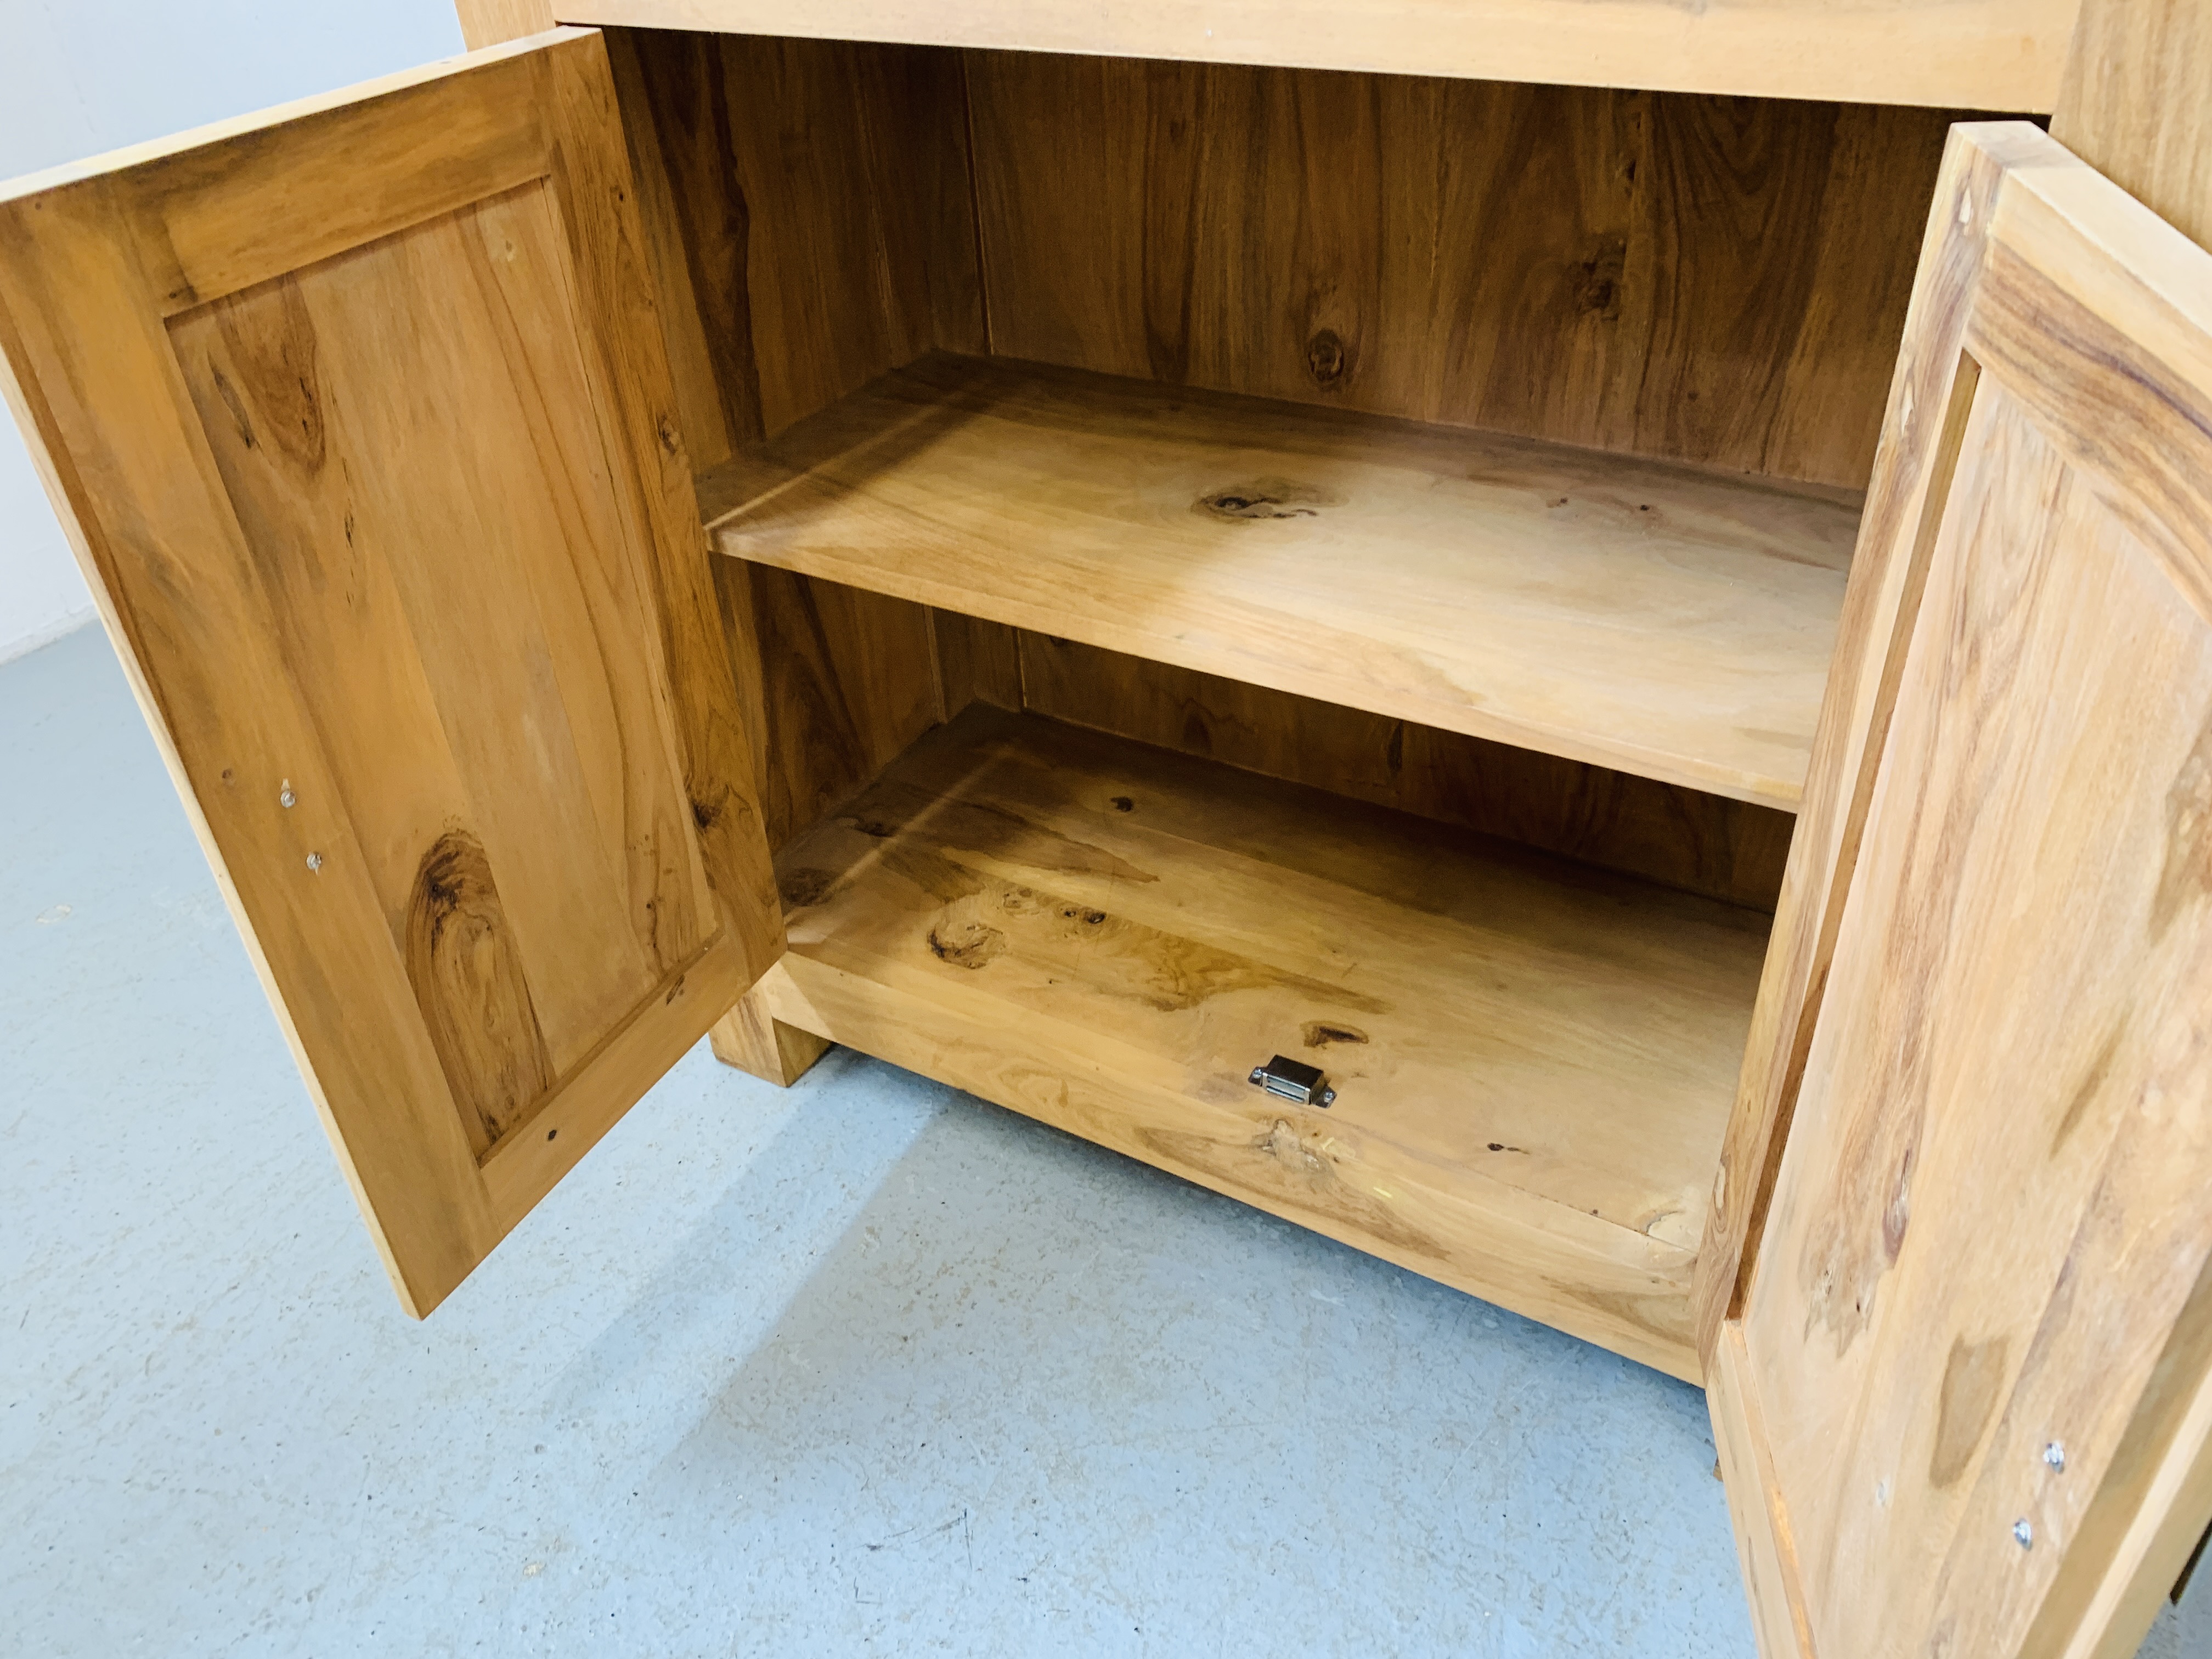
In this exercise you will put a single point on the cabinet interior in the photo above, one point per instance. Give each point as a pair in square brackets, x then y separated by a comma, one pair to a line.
[1426, 502]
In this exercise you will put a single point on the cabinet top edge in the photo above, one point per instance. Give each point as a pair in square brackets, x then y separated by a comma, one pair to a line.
[2000, 55]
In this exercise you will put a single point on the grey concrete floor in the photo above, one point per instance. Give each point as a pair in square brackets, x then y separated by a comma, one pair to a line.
[866, 1366]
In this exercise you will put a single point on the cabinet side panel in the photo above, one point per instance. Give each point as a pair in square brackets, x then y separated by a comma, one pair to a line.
[1716, 280]
[2133, 105]
[848, 679]
[808, 202]
[810, 224]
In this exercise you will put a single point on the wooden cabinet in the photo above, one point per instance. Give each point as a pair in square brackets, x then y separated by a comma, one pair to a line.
[1087, 576]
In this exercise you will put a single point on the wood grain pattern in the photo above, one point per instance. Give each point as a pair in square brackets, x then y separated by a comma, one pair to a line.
[1976, 54]
[1532, 1058]
[212, 218]
[469, 980]
[1718, 281]
[488, 823]
[817, 194]
[1764, 1550]
[978, 659]
[2132, 105]
[846, 681]
[2005, 1113]
[625, 359]
[1673, 623]
[1927, 409]
[808, 225]
[1681, 837]
[351, 451]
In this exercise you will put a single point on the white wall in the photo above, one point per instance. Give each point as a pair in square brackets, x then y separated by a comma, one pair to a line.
[81, 76]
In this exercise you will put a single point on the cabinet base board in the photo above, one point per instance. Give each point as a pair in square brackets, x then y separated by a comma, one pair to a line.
[1631, 1301]
[1531, 1059]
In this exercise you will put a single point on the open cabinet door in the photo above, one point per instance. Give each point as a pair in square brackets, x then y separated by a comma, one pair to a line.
[1964, 1389]
[359, 416]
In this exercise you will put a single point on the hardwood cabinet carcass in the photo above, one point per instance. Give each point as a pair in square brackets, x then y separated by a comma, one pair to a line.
[1081, 575]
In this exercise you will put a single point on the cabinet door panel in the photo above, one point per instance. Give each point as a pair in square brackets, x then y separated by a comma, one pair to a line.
[1968, 1376]
[359, 414]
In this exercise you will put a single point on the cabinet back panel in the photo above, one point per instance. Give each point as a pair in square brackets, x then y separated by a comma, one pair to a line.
[1682, 837]
[1720, 280]
[1717, 280]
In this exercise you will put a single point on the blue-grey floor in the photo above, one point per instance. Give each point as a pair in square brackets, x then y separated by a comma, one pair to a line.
[862, 1367]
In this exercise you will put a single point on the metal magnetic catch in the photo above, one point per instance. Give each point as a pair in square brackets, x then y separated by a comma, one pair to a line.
[1294, 1079]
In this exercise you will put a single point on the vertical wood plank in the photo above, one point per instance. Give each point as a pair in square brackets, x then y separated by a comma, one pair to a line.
[809, 225]
[977, 661]
[1717, 280]
[1532, 265]
[2133, 105]
[1683, 837]
[1928, 399]
[625, 359]
[1094, 173]
[1722, 247]
[698, 232]
[1315, 223]
[849, 681]
[1835, 376]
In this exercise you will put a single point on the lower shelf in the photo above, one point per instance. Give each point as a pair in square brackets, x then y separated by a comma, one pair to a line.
[1533, 1062]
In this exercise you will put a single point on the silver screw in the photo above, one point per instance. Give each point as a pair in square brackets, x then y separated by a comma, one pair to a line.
[1257, 1072]
[2055, 1454]
[285, 797]
[2022, 1534]
[314, 860]
[1328, 1097]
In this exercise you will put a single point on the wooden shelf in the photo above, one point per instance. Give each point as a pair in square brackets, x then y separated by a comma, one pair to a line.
[1534, 1061]
[1655, 618]
[1968, 54]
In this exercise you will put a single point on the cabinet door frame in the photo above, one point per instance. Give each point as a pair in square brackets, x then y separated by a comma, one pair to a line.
[100, 263]
[2048, 299]
[1921, 427]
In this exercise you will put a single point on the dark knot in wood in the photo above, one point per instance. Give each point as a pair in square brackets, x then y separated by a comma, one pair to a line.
[1267, 498]
[1327, 361]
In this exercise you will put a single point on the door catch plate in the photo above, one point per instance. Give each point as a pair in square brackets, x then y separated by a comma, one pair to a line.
[1294, 1079]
